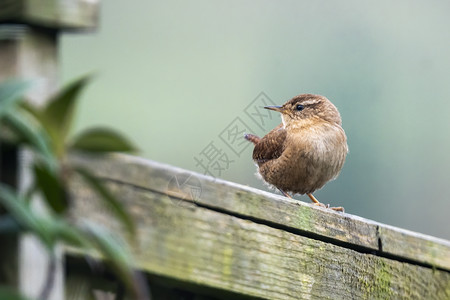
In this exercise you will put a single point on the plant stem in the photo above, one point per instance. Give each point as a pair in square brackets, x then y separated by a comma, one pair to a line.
[49, 281]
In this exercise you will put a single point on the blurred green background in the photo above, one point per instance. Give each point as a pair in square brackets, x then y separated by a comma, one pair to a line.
[174, 74]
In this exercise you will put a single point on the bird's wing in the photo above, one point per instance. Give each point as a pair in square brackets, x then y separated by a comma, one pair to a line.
[271, 146]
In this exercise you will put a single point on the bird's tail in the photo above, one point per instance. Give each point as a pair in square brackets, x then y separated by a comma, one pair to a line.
[252, 138]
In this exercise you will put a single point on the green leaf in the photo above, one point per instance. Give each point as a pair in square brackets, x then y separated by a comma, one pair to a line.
[25, 132]
[119, 258]
[8, 293]
[32, 110]
[16, 206]
[102, 140]
[11, 92]
[111, 249]
[53, 189]
[57, 116]
[48, 229]
[21, 212]
[110, 200]
[70, 235]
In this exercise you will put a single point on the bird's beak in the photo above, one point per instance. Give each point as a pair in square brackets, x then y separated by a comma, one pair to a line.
[278, 108]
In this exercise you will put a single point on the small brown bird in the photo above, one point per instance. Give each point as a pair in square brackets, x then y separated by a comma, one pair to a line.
[304, 152]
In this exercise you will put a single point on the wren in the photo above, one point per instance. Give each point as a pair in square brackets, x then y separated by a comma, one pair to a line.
[306, 150]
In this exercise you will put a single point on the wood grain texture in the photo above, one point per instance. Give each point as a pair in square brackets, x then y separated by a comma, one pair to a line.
[214, 249]
[29, 53]
[54, 14]
[274, 210]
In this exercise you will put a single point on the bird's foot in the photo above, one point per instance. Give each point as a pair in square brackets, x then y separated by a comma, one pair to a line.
[321, 204]
[339, 208]
[316, 202]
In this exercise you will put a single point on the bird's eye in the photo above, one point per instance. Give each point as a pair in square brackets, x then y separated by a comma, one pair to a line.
[299, 107]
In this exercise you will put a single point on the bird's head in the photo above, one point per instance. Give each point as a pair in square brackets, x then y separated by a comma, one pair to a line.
[307, 108]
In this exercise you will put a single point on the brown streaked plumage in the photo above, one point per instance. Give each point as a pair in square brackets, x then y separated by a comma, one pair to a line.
[305, 151]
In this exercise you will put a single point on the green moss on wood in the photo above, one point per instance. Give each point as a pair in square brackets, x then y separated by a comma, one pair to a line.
[383, 276]
[219, 248]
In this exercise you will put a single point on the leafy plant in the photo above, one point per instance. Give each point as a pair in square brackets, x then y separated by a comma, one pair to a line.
[46, 132]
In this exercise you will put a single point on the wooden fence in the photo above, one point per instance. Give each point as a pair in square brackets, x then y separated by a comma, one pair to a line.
[200, 237]
[230, 238]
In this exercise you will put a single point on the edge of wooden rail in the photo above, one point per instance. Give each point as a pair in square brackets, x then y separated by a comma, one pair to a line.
[342, 229]
[69, 15]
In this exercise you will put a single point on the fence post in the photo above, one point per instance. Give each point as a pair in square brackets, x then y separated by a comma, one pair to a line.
[29, 32]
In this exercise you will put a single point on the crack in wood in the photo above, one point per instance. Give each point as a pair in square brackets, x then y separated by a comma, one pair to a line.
[380, 242]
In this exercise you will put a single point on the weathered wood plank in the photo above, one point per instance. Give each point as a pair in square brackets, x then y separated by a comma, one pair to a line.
[29, 53]
[54, 14]
[211, 248]
[270, 208]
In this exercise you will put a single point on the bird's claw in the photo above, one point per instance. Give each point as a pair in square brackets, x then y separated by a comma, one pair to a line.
[339, 208]
[321, 204]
